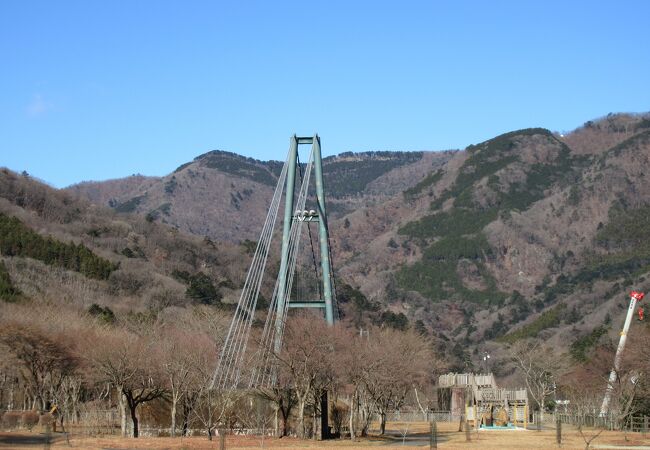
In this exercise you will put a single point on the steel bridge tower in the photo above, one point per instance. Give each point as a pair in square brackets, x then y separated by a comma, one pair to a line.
[231, 372]
[291, 215]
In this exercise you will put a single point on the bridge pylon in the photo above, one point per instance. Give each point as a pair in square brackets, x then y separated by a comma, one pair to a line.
[294, 185]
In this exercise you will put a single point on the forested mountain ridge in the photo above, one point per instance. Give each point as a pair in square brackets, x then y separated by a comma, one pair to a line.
[225, 196]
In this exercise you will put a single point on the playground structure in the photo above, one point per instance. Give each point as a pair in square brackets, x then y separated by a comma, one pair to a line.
[478, 399]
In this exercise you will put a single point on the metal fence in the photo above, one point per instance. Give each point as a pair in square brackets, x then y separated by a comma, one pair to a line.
[640, 424]
[608, 422]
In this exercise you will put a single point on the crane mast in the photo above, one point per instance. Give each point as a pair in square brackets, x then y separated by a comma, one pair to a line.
[634, 298]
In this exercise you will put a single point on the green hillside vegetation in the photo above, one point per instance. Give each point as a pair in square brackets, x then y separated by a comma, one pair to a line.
[234, 164]
[459, 229]
[625, 245]
[8, 292]
[200, 287]
[130, 205]
[342, 177]
[18, 240]
[350, 177]
[103, 313]
[428, 181]
[485, 159]
[638, 139]
[582, 345]
[548, 319]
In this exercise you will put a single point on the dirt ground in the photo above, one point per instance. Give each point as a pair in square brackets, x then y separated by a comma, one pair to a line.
[399, 435]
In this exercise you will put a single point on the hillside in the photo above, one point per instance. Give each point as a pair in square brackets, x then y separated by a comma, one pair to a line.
[225, 196]
[519, 236]
[56, 249]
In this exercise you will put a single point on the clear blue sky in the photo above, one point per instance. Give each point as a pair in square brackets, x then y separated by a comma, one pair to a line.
[105, 89]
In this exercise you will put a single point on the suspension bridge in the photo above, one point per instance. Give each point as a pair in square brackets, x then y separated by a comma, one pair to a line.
[237, 369]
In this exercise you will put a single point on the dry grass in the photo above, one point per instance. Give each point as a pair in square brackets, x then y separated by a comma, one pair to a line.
[417, 436]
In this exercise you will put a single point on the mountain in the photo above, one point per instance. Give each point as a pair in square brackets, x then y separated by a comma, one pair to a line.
[529, 234]
[225, 196]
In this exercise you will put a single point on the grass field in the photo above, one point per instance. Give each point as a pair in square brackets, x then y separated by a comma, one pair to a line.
[400, 435]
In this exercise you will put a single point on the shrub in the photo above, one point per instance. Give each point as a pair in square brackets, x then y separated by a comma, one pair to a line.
[8, 292]
[46, 420]
[202, 290]
[29, 419]
[11, 420]
[104, 314]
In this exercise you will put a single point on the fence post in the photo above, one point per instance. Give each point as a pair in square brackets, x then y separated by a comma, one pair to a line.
[558, 429]
[468, 436]
[433, 441]
[645, 426]
[222, 439]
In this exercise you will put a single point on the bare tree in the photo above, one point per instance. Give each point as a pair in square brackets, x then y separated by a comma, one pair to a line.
[283, 398]
[632, 384]
[127, 362]
[584, 389]
[179, 353]
[355, 361]
[540, 366]
[307, 358]
[402, 359]
[42, 362]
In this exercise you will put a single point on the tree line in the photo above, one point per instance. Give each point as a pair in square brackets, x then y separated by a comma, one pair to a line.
[161, 372]
[16, 239]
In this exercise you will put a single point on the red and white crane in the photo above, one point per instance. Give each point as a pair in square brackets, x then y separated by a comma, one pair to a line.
[634, 298]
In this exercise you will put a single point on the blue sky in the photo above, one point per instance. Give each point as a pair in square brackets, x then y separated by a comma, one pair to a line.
[98, 90]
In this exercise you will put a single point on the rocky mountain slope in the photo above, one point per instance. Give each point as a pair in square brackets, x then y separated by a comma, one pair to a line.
[529, 234]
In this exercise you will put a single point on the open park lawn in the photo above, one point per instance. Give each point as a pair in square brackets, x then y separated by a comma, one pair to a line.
[399, 436]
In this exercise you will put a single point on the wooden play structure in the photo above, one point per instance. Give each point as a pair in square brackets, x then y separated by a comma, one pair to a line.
[477, 399]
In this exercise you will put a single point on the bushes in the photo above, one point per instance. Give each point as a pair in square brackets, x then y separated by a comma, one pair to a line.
[129, 206]
[104, 314]
[199, 287]
[29, 419]
[46, 421]
[436, 276]
[457, 221]
[12, 420]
